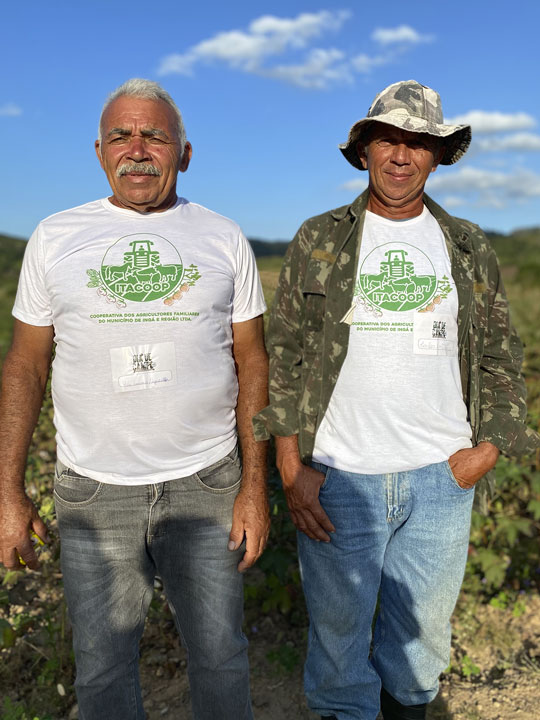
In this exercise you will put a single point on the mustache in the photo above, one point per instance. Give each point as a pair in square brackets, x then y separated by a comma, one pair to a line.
[143, 168]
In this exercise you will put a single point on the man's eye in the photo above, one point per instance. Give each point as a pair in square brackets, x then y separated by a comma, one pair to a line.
[384, 143]
[117, 140]
[155, 140]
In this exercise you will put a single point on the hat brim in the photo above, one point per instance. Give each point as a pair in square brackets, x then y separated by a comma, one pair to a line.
[457, 138]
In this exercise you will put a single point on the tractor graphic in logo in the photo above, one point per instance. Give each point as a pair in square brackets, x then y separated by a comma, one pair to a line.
[141, 268]
[405, 280]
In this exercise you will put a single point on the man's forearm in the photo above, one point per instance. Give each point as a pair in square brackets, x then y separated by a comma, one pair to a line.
[22, 397]
[24, 378]
[252, 397]
[250, 520]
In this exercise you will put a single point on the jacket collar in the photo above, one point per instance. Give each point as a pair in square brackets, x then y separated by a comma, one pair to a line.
[356, 208]
[453, 230]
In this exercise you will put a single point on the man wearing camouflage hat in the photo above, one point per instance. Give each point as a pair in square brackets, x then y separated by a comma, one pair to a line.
[394, 385]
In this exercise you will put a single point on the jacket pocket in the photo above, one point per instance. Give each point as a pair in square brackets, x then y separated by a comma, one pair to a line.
[314, 291]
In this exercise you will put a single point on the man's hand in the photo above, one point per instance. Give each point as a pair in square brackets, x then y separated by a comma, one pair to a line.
[18, 519]
[470, 464]
[251, 520]
[301, 485]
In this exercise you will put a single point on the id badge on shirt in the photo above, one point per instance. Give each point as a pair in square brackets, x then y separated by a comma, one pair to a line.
[435, 334]
[141, 367]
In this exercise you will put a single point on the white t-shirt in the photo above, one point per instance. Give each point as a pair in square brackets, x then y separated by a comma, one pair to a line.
[398, 404]
[144, 384]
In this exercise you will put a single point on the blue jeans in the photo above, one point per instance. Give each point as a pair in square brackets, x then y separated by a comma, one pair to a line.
[114, 541]
[401, 539]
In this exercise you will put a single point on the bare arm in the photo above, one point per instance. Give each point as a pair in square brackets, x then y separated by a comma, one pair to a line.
[251, 514]
[24, 379]
[301, 485]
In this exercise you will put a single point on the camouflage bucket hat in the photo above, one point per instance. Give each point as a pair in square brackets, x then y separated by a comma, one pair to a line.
[414, 107]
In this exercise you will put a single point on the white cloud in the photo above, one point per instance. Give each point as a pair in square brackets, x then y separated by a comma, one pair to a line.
[357, 185]
[177, 64]
[9, 109]
[453, 201]
[322, 68]
[364, 63]
[269, 37]
[467, 179]
[404, 34]
[519, 142]
[302, 27]
[493, 122]
[489, 187]
[266, 37]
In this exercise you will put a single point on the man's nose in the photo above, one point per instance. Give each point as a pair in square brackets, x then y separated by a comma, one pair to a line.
[401, 154]
[138, 149]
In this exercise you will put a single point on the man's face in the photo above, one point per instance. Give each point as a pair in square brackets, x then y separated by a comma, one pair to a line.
[399, 162]
[140, 153]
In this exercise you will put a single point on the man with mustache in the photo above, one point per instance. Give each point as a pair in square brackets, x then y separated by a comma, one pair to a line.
[155, 308]
[394, 385]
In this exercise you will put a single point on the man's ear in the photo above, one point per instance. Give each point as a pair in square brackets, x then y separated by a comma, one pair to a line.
[186, 157]
[361, 152]
[97, 148]
[438, 156]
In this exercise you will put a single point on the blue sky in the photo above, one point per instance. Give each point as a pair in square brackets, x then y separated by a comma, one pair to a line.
[268, 90]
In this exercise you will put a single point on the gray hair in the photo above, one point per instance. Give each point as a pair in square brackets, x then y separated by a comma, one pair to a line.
[147, 90]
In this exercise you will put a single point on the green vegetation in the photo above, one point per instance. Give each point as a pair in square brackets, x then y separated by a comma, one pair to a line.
[11, 254]
[503, 571]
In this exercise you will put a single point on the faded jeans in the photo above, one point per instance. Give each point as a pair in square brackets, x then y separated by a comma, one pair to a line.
[114, 541]
[401, 540]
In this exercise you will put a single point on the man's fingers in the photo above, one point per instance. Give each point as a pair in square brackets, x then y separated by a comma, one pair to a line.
[40, 529]
[254, 548]
[236, 536]
[249, 559]
[322, 518]
[10, 560]
[309, 524]
[29, 557]
[313, 521]
[465, 484]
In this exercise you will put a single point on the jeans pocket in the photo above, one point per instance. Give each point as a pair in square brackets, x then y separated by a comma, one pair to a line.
[454, 481]
[223, 476]
[74, 490]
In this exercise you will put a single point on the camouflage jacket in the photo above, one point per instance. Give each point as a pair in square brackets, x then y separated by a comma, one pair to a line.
[308, 341]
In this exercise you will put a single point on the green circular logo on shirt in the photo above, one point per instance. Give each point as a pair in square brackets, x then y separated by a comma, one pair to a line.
[397, 277]
[142, 267]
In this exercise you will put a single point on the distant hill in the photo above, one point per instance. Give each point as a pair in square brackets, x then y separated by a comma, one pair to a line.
[520, 246]
[520, 251]
[268, 248]
[11, 254]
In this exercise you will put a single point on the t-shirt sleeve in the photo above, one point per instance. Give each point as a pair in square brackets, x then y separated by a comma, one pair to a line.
[248, 299]
[32, 304]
